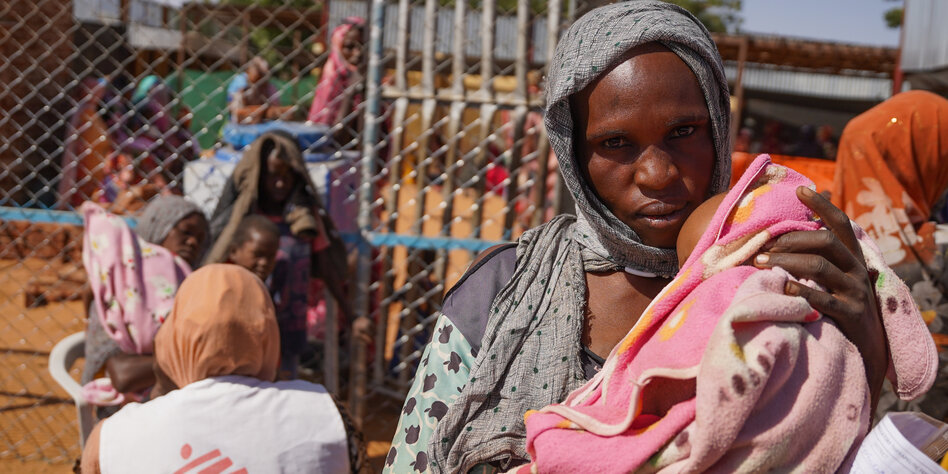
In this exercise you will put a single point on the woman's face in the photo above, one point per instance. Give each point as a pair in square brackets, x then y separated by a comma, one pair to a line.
[352, 46]
[644, 141]
[253, 75]
[187, 238]
[278, 179]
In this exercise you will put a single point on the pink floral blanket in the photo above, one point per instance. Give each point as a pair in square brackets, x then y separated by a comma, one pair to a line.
[133, 285]
[724, 372]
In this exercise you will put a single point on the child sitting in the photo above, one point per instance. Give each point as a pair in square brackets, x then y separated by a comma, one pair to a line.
[255, 245]
[723, 370]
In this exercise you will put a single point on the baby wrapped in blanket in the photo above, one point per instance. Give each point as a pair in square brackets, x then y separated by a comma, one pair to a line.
[725, 372]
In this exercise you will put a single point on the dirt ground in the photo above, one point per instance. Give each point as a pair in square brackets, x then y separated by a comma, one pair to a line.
[37, 419]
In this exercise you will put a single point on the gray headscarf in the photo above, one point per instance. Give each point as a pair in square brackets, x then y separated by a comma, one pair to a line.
[592, 46]
[161, 215]
[529, 355]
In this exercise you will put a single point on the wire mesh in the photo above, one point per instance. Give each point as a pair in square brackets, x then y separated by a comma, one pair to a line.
[439, 153]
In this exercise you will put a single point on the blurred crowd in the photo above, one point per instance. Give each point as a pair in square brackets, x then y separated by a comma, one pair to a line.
[189, 311]
[774, 138]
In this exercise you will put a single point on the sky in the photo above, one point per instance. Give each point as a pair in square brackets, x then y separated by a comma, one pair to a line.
[847, 21]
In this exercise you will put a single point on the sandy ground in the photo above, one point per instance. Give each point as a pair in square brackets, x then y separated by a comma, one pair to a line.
[37, 419]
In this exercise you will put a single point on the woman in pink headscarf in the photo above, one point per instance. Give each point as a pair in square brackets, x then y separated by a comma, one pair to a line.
[337, 94]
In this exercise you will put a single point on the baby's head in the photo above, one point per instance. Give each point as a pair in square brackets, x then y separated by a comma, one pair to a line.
[255, 245]
[695, 226]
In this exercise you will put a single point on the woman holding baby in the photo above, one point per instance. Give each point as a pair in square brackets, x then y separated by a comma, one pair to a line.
[638, 115]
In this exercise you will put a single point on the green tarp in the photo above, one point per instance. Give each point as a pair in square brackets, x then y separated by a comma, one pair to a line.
[205, 93]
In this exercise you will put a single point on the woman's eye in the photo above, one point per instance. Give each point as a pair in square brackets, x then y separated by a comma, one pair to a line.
[683, 131]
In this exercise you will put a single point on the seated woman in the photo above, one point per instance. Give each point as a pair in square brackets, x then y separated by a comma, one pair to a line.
[158, 139]
[221, 348]
[727, 366]
[87, 148]
[251, 97]
[133, 276]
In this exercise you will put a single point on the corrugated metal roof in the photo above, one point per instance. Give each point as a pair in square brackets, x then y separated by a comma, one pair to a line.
[925, 35]
[852, 87]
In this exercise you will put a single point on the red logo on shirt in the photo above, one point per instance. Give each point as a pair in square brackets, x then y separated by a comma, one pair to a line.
[216, 467]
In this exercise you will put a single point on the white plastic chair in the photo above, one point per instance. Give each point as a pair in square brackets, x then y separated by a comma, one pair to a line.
[61, 359]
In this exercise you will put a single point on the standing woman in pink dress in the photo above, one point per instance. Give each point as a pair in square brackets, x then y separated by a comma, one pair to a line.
[339, 92]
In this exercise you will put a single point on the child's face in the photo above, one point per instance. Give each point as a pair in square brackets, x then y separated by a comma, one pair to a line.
[257, 254]
[278, 179]
[352, 46]
[695, 226]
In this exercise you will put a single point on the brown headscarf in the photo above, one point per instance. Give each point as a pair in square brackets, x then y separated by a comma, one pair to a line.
[303, 212]
[891, 171]
[223, 323]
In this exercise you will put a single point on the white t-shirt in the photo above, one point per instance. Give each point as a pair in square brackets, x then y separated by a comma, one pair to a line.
[230, 424]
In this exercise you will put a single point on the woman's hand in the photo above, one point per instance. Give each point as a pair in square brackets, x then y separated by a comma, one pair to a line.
[833, 259]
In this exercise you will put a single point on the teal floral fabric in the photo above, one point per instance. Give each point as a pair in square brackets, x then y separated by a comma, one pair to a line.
[442, 374]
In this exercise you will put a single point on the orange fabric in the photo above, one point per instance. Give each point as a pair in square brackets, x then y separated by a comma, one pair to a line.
[819, 171]
[892, 167]
[223, 323]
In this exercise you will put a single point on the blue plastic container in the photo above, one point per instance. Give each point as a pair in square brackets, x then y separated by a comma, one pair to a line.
[313, 138]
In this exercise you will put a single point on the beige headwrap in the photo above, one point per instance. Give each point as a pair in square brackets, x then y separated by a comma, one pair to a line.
[223, 323]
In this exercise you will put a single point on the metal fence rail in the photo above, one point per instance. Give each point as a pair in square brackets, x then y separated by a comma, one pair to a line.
[464, 157]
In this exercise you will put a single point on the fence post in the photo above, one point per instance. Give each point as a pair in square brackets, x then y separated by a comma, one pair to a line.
[487, 110]
[519, 117]
[455, 125]
[366, 192]
[392, 201]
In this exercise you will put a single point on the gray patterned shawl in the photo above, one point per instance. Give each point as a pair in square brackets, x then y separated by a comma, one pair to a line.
[529, 353]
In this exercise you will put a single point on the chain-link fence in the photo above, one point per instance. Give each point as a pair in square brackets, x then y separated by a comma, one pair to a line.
[422, 131]
[425, 150]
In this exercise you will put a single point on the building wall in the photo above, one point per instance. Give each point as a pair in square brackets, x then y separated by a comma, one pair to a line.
[35, 50]
[925, 35]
